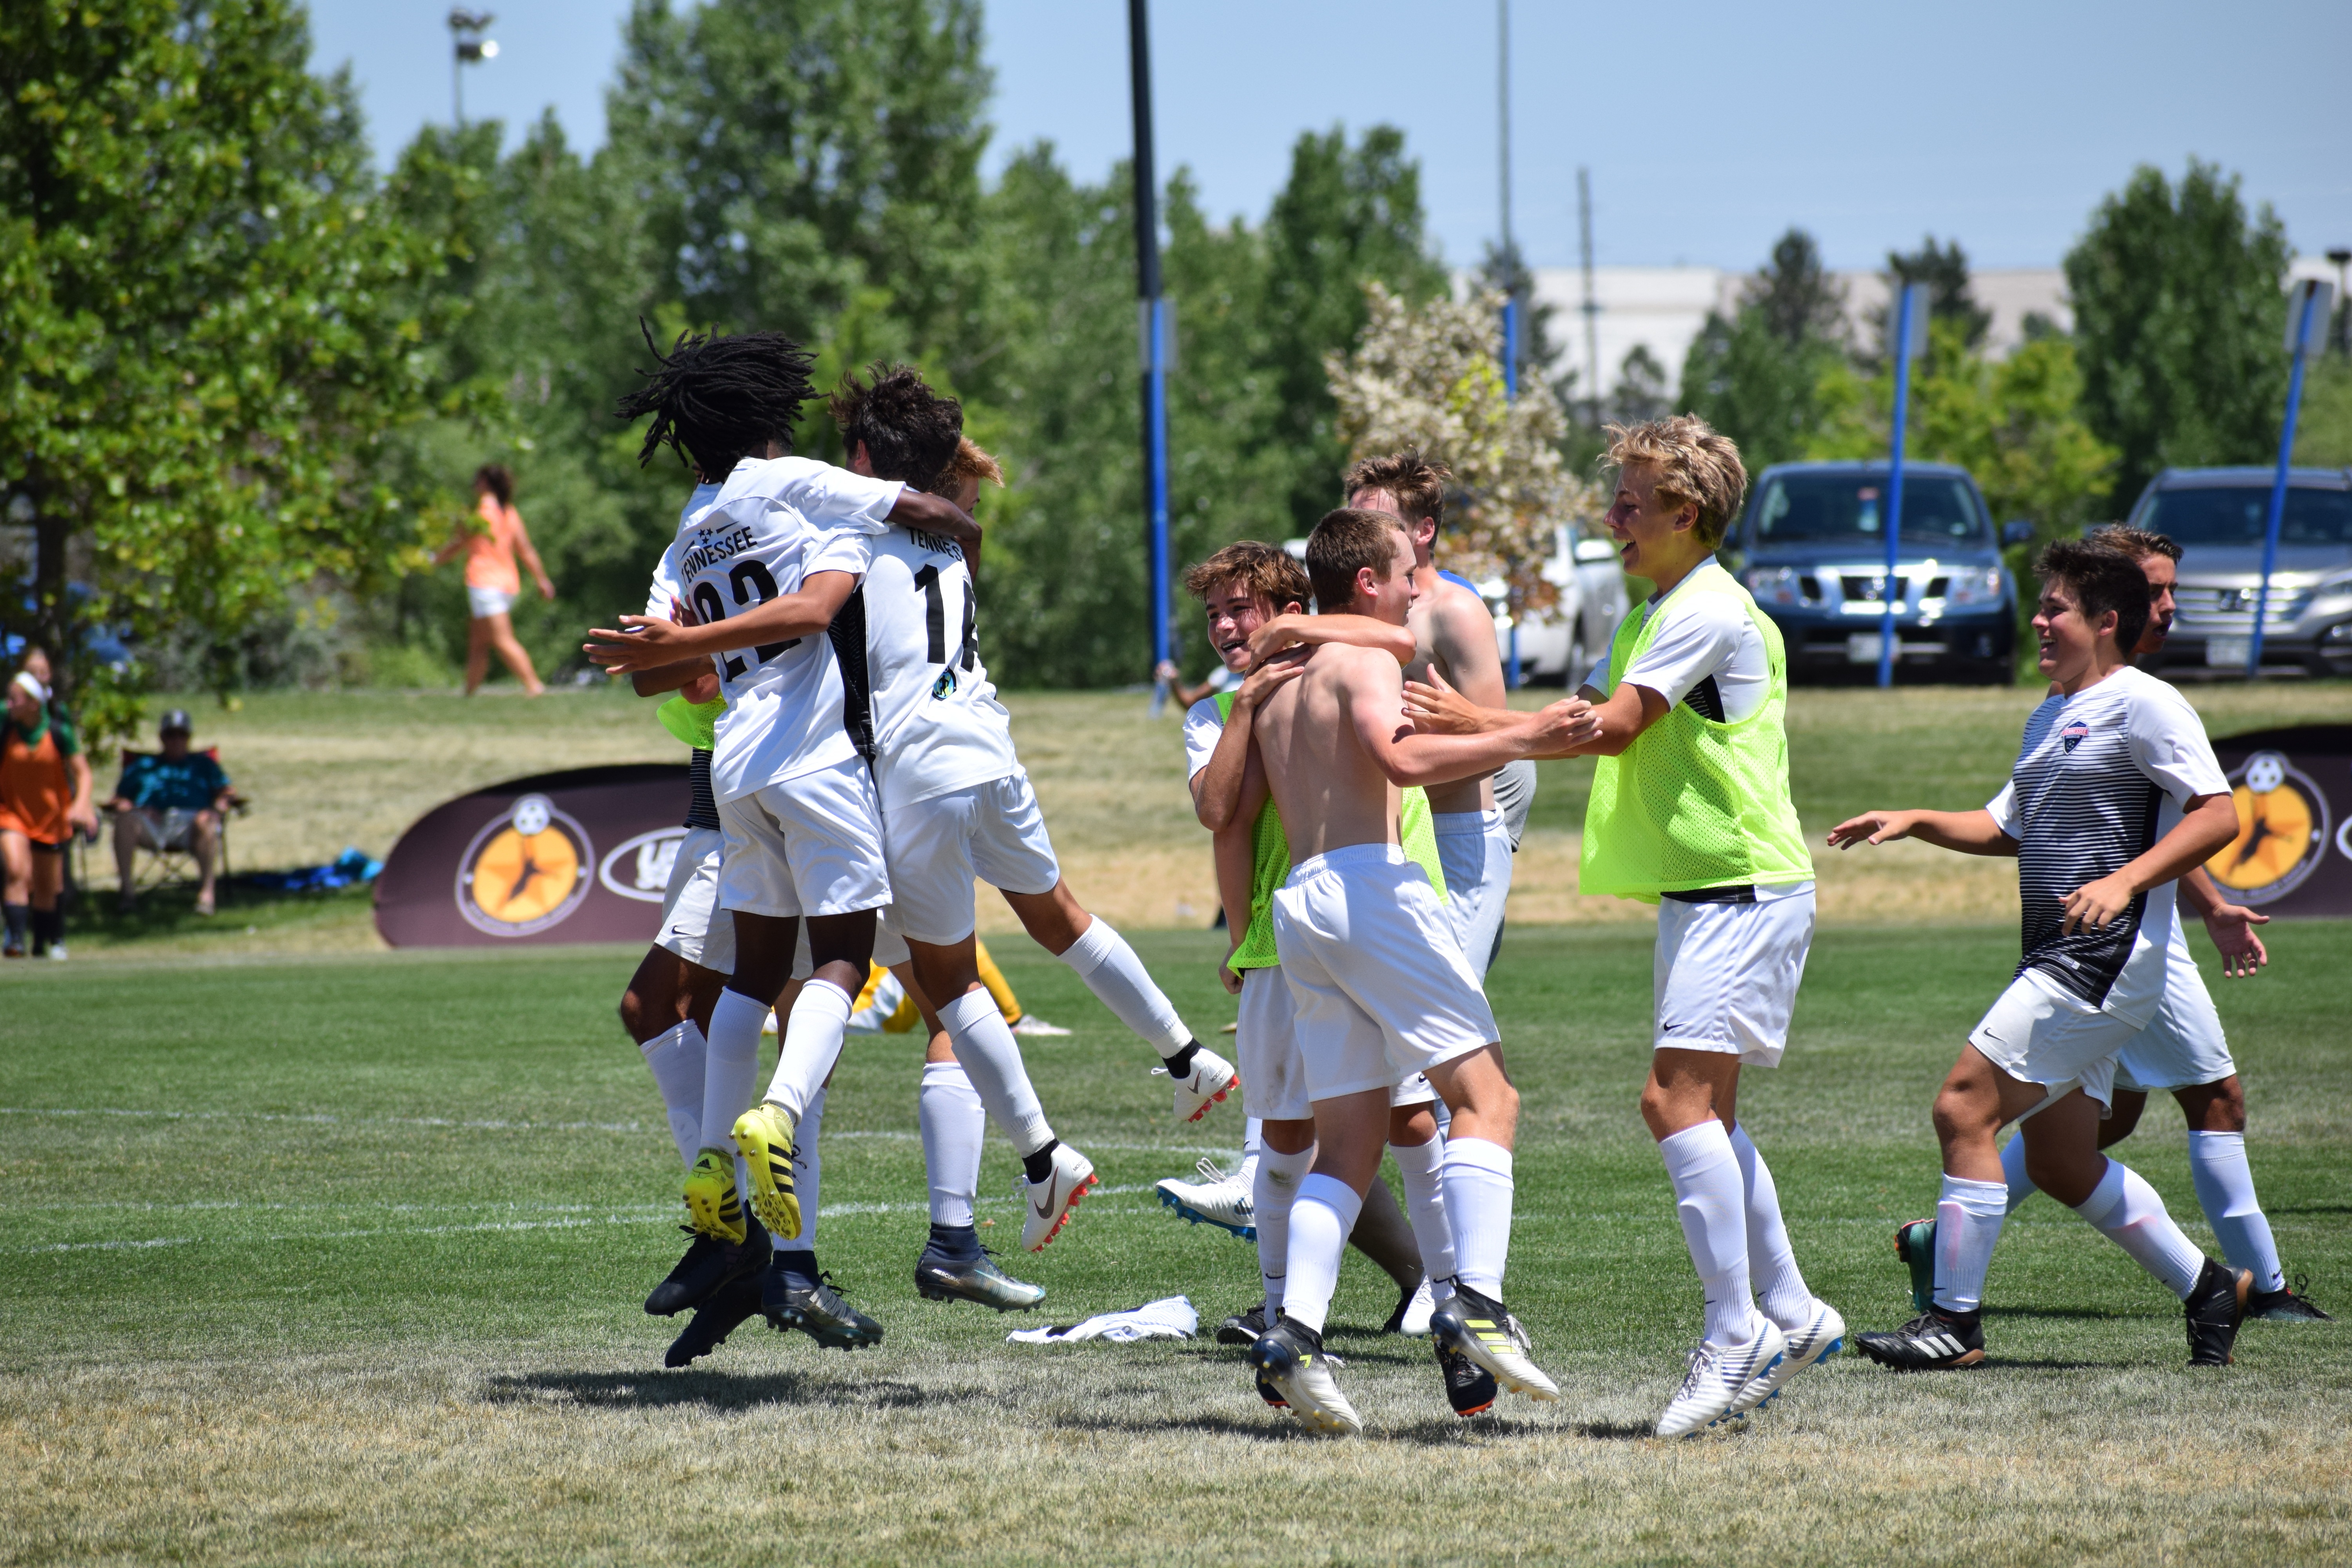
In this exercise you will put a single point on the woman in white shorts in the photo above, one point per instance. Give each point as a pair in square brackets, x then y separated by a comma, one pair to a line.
[491, 543]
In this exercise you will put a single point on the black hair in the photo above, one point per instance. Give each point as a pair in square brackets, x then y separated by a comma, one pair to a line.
[910, 432]
[716, 399]
[2102, 580]
[496, 479]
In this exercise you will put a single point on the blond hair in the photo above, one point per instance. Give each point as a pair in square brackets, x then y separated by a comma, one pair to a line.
[1694, 465]
[970, 462]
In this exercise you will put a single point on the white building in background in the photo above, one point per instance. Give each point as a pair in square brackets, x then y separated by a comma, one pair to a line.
[1662, 309]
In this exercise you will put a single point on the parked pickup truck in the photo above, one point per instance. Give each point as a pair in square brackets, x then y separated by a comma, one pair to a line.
[1812, 547]
[2218, 516]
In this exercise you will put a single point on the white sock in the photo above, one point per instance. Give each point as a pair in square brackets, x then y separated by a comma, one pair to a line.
[2126, 1211]
[730, 1067]
[808, 1170]
[1967, 1222]
[1711, 1201]
[1320, 1218]
[676, 1057]
[2013, 1168]
[954, 1122]
[991, 1059]
[1423, 1166]
[1253, 1136]
[2225, 1189]
[1780, 1292]
[1273, 1190]
[812, 1045]
[1114, 973]
[1477, 1183]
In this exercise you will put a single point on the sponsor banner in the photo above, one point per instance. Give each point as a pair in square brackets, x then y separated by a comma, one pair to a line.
[572, 857]
[2293, 788]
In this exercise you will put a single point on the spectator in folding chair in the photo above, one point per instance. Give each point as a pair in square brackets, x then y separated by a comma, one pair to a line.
[43, 797]
[170, 801]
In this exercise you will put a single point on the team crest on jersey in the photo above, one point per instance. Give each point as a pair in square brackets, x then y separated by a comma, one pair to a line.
[946, 684]
[2072, 735]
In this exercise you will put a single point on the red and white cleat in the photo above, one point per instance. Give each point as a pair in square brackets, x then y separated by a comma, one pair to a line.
[1210, 1078]
[1046, 1204]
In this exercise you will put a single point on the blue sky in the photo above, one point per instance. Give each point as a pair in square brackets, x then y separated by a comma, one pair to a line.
[1708, 127]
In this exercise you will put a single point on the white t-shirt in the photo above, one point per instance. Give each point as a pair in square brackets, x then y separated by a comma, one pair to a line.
[2100, 777]
[1203, 725]
[1710, 639]
[772, 523]
[938, 725]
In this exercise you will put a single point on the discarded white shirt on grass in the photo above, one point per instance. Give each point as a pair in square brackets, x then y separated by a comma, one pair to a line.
[1173, 1319]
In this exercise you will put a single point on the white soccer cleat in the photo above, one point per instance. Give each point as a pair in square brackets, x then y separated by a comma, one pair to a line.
[1818, 1338]
[1715, 1379]
[1037, 1028]
[1210, 1078]
[1046, 1205]
[1218, 1199]
[1415, 1319]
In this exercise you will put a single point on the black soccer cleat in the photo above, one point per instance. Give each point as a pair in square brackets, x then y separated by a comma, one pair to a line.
[1290, 1357]
[1242, 1328]
[1914, 1244]
[1469, 1388]
[2215, 1308]
[711, 1264]
[938, 1277]
[1935, 1341]
[726, 1311]
[2285, 1305]
[816, 1310]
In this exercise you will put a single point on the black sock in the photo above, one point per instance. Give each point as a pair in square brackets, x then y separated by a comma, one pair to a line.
[956, 1243]
[1180, 1064]
[48, 929]
[18, 915]
[798, 1266]
[1040, 1165]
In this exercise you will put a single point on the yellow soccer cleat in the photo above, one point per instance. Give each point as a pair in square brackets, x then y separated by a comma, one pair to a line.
[764, 1134]
[711, 1199]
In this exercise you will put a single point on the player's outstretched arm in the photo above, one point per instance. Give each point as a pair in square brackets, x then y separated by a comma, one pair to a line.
[1217, 787]
[1966, 832]
[1434, 708]
[644, 642]
[1375, 702]
[677, 676]
[937, 514]
[1355, 631]
[2207, 823]
[2231, 926]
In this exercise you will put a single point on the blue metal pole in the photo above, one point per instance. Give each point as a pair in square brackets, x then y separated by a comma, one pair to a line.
[1156, 399]
[2278, 484]
[1511, 391]
[1889, 587]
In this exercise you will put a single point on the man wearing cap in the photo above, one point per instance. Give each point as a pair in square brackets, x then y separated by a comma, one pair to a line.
[43, 797]
[169, 800]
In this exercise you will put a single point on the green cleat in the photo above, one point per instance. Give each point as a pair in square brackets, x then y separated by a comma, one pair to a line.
[1914, 1244]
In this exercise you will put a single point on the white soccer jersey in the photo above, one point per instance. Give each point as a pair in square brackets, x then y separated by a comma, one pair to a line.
[909, 638]
[772, 523]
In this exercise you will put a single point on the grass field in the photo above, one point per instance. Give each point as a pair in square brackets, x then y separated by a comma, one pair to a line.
[337, 1259]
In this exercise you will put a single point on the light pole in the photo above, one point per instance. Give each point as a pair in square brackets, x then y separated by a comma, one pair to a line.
[1510, 271]
[467, 48]
[2309, 304]
[1152, 316]
[1910, 337]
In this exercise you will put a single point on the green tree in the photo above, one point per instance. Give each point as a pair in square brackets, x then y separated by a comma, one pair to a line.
[2323, 435]
[1755, 376]
[210, 324]
[2179, 314]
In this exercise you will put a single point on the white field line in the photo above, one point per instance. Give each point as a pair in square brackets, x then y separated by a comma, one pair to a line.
[323, 1120]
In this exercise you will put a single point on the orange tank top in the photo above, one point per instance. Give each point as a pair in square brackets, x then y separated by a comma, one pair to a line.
[35, 788]
[490, 553]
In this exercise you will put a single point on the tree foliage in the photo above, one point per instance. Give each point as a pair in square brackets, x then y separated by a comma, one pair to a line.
[209, 321]
[2179, 316]
[1430, 377]
[1755, 376]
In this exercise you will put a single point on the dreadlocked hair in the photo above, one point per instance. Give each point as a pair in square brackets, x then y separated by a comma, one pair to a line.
[717, 398]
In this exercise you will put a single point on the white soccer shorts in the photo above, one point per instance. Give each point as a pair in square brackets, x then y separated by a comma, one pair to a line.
[692, 926]
[1475, 849]
[1726, 975]
[2038, 1032]
[2182, 1045]
[1265, 1049]
[1376, 973]
[810, 846]
[937, 849]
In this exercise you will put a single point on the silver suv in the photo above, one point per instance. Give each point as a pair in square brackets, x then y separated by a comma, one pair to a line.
[2218, 516]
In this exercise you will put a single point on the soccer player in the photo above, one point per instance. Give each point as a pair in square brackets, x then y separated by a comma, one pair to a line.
[1242, 587]
[958, 807]
[762, 580]
[1378, 984]
[1454, 633]
[2182, 1048]
[1690, 810]
[2115, 793]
